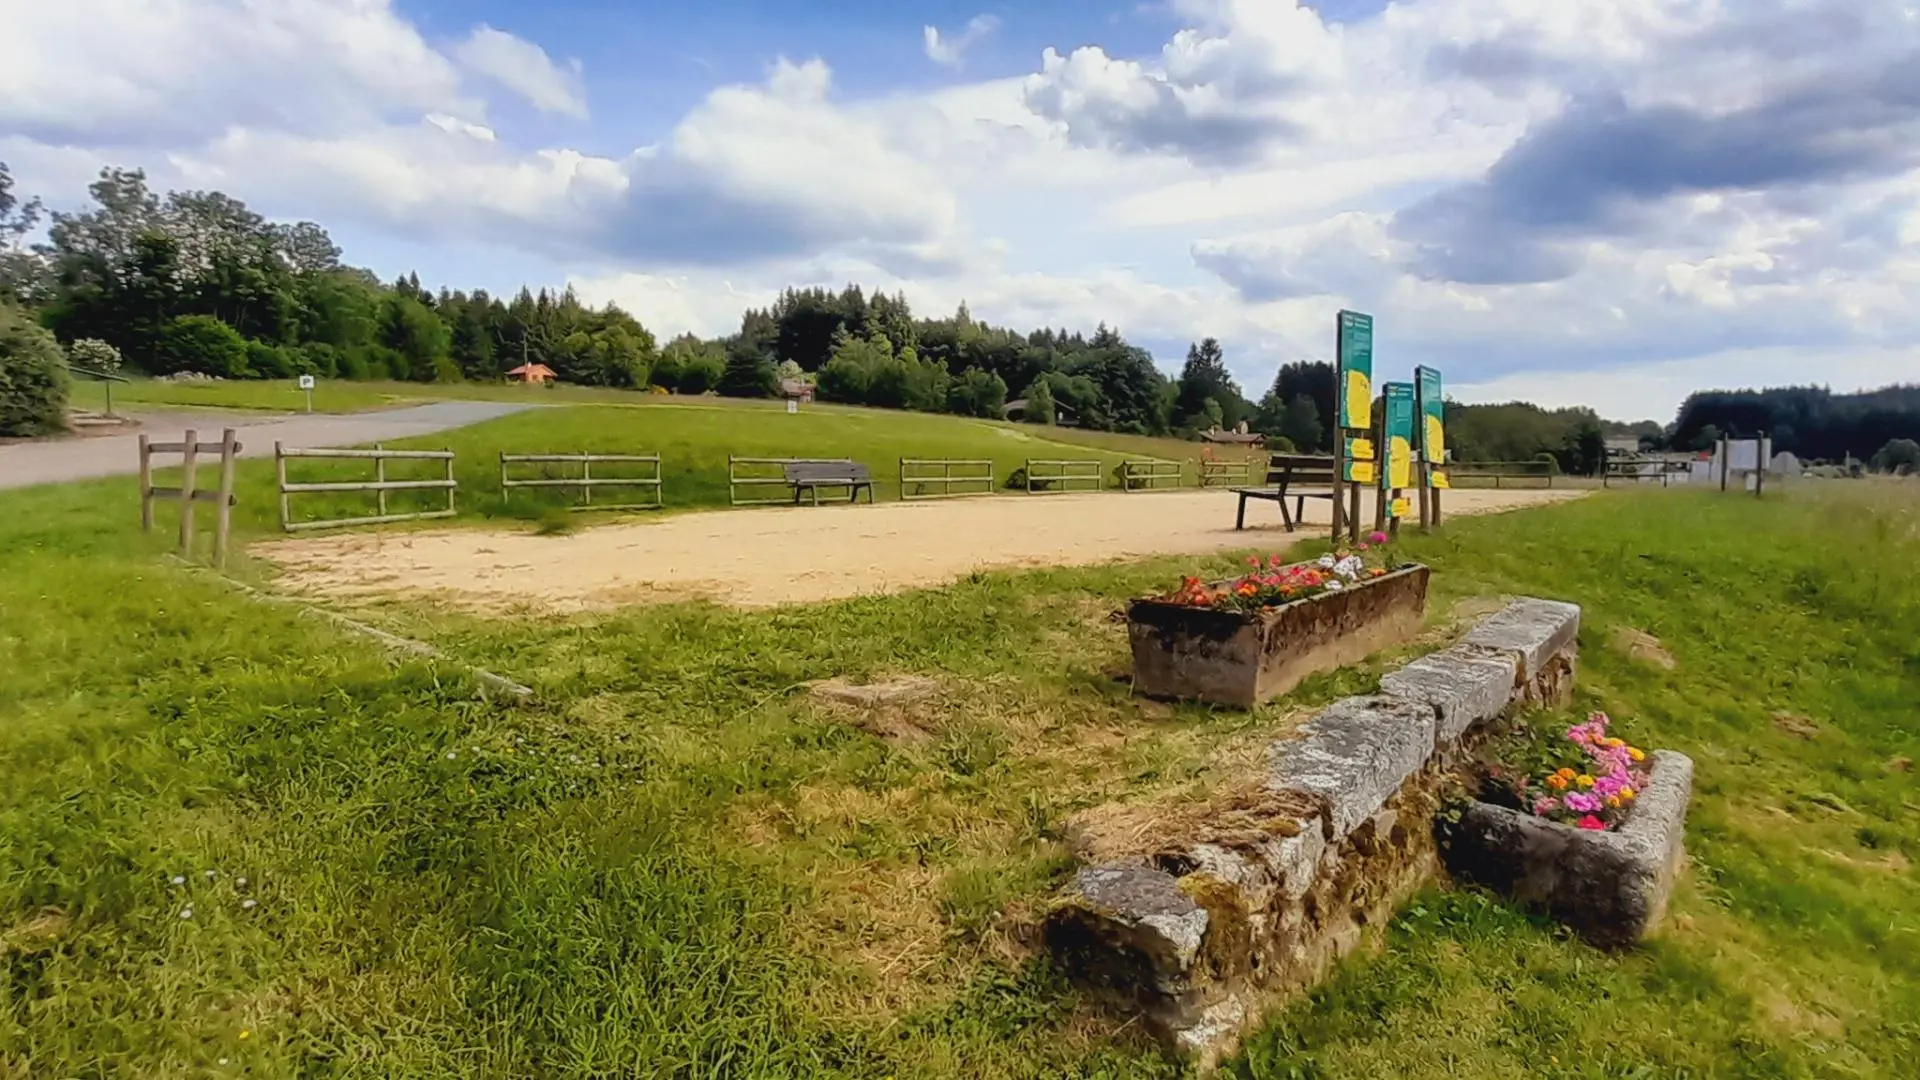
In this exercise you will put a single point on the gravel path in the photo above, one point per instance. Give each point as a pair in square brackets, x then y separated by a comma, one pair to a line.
[83, 457]
[758, 558]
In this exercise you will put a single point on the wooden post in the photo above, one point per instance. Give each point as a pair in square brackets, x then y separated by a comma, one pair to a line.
[1726, 460]
[192, 453]
[586, 478]
[286, 500]
[1380, 451]
[1760, 459]
[223, 515]
[449, 462]
[1339, 478]
[146, 483]
[380, 477]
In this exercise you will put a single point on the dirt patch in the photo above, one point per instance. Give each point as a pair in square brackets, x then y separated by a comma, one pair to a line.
[884, 709]
[1783, 1012]
[1900, 764]
[826, 554]
[1642, 646]
[34, 934]
[1798, 726]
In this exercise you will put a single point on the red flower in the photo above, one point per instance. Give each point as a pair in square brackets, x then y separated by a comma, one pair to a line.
[1592, 824]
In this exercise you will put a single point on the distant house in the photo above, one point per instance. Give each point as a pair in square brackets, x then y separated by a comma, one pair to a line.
[531, 373]
[1233, 438]
[799, 390]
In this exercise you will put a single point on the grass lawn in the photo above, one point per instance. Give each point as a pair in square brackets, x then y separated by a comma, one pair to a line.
[678, 864]
[693, 437]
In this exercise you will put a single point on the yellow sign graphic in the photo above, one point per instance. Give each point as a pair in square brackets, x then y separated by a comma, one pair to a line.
[1399, 463]
[1440, 480]
[1359, 401]
[1362, 472]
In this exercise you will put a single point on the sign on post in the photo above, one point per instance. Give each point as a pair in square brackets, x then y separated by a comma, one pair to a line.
[306, 384]
[1398, 473]
[1355, 370]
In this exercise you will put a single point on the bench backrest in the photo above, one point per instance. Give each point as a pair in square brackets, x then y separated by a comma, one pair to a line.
[1299, 470]
[828, 472]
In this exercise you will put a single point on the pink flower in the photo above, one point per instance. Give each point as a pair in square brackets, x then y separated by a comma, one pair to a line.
[1582, 803]
[1377, 537]
[1544, 806]
[1592, 824]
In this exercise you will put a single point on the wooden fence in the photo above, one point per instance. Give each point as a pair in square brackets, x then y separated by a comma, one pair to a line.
[1151, 475]
[647, 492]
[917, 474]
[1225, 473]
[187, 494]
[750, 473]
[379, 485]
[1644, 471]
[1500, 472]
[1048, 476]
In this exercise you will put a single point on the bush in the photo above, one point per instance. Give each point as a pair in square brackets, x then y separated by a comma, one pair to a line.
[978, 393]
[266, 361]
[1039, 403]
[33, 378]
[200, 343]
[749, 373]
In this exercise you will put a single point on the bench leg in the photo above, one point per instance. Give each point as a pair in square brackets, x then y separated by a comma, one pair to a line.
[1300, 510]
[1284, 519]
[1240, 519]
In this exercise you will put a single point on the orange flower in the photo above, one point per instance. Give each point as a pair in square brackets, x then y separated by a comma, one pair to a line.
[1247, 588]
[1566, 774]
[1557, 782]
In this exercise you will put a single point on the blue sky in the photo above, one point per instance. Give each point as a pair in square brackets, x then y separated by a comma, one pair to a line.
[1608, 202]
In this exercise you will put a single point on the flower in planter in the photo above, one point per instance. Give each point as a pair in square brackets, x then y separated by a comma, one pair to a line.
[1272, 581]
[1376, 537]
[1592, 776]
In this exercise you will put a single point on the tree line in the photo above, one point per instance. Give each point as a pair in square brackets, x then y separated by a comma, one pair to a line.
[195, 281]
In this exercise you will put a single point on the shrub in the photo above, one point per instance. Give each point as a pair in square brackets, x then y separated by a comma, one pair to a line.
[95, 354]
[978, 393]
[200, 343]
[266, 361]
[1039, 403]
[33, 377]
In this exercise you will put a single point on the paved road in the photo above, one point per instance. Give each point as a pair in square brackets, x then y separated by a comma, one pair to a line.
[24, 464]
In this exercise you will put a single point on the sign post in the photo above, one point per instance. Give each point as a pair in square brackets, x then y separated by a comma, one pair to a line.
[1430, 403]
[1353, 419]
[306, 384]
[1396, 437]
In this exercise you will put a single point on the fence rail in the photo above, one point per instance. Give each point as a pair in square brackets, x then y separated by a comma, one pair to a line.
[1501, 471]
[738, 469]
[1225, 473]
[1048, 472]
[918, 473]
[379, 485]
[1645, 471]
[1150, 475]
[648, 495]
[188, 493]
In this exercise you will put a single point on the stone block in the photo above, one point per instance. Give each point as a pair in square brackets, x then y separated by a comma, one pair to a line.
[1610, 887]
[1532, 629]
[1354, 756]
[1127, 925]
[1466, 685]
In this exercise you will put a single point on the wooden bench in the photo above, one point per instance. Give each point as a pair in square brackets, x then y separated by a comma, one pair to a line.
[1287, 476]
[810, 476]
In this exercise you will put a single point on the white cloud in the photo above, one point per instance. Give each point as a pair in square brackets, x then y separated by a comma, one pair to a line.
[524, 68]
[951, 50]
[1516, 190]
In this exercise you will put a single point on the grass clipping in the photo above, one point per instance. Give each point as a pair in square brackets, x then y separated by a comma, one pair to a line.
[1239, 817]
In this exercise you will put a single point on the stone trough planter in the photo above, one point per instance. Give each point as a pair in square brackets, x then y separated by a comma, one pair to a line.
[1609, 887]
[1242, 659]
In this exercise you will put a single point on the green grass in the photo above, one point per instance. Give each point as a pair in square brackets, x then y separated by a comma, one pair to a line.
[676, 864]
[693, 437]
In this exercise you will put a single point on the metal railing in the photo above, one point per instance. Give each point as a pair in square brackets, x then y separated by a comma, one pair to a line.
[917, 474]
[379, 485]
[1150, 475]
[648, 486]
[1049, 476]
[107, 378]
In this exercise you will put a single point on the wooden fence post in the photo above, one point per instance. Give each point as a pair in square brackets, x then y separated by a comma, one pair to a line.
[380, 477]
[187, 466]
[146, 483]
[586, 476]
[286, 500]
[223, 515]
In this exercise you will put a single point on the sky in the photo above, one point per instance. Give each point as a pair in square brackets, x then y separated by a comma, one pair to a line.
[1598, 202]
